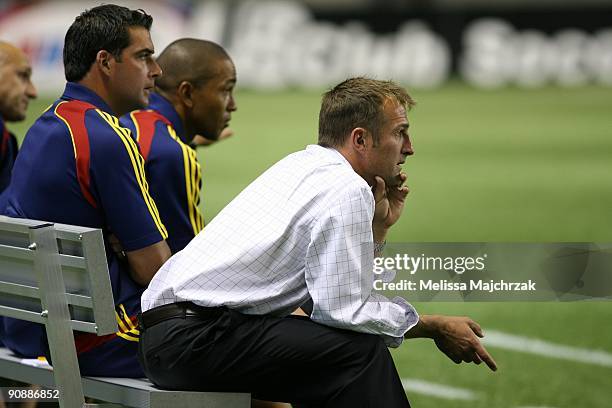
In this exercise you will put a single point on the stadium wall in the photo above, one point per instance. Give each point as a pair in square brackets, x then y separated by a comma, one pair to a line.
[283, 43]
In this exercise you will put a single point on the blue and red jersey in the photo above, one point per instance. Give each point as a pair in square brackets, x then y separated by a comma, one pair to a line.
[78, 166]
[172, 169]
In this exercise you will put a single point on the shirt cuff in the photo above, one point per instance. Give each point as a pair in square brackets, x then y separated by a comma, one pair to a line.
[411, 319]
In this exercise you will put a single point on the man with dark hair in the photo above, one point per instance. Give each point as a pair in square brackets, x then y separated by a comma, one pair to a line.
[194, 96]
[78, 166]
[217, 315]
[16, 90]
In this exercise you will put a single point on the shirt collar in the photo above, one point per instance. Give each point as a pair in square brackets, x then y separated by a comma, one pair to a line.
[82, 93]
[163, 106]
[330, 153]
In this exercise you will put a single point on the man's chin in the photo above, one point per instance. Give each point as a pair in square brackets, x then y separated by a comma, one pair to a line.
[141, 103]
[144, 101]
[393, 181]
[14, 117]
[214, 136]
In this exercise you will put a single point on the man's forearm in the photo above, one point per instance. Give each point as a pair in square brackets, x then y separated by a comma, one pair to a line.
[145, 262]
[379, 233]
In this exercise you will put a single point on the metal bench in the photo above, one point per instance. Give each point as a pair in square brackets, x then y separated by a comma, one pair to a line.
[57, 275]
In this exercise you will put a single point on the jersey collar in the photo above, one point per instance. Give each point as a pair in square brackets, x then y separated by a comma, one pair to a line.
[82, 93]
[163, 106]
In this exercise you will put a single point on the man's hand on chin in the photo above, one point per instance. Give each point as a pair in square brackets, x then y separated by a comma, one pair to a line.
[389, 204]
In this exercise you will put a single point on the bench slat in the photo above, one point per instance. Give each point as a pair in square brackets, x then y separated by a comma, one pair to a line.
[19, 290]
[21, 314]
[33, 292]
[25, 254]
[35, 317]
[22, 225]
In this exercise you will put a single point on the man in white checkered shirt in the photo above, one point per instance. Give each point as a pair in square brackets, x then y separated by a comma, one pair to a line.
[217, 316]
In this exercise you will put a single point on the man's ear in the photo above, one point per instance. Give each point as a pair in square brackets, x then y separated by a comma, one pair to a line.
[185, 93]
[360, 139]
[104, 61]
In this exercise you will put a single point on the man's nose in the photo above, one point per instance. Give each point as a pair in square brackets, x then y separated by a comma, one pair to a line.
[232, 106]
[31, 91]
[407, 148]
[155, 69]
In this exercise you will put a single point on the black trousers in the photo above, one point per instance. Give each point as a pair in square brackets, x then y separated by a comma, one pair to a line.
[291, 359]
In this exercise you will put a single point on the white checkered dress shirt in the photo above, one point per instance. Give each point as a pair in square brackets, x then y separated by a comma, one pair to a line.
[297, 232]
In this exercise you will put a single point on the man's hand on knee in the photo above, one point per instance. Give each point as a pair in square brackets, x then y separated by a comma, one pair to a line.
[457, 337]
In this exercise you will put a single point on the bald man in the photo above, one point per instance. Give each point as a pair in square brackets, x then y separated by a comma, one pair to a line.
[16, 90]
[194, 96]
[192, 105]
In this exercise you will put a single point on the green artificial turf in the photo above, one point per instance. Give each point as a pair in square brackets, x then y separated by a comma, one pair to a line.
[504, 165]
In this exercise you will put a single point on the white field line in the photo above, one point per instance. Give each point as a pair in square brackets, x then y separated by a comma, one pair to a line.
[445, 392]
[543, 348]
[437, 390]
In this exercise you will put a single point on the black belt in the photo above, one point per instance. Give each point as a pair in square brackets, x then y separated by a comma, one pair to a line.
[177, 310]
